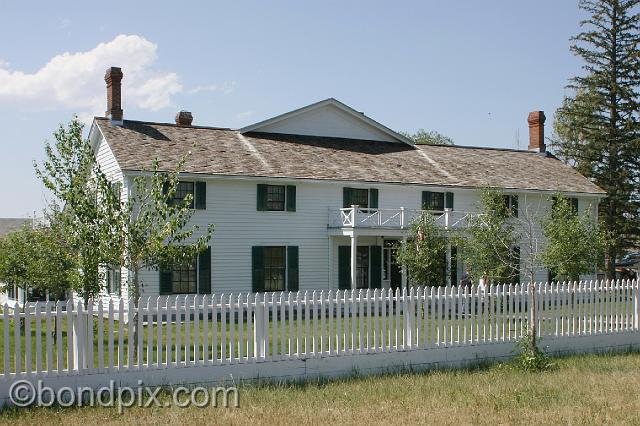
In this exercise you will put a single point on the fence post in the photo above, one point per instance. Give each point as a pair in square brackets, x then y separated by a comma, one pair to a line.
[258, 329]
[636, 303]
[79, 337]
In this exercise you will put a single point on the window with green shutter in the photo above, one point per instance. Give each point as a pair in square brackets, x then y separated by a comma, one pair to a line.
[275, 268]
[204, 271]
[511, 204]
[356, 197]
[201, 195]
[276, 198]
[376, 266]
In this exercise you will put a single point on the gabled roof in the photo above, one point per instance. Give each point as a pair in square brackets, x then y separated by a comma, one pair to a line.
[343, 121]
[226, 152]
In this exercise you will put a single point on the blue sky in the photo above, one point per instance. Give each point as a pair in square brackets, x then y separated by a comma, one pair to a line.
[471, 70]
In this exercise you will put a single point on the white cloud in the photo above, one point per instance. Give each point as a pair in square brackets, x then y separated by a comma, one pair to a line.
[76, 80]
[4, 64]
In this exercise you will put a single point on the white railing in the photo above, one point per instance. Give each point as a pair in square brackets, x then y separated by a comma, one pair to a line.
[400, 218]
[66, 338]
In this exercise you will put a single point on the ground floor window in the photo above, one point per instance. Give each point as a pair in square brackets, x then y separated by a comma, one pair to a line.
[362, 267]
[184, 278]
[11, 292]
[274, 268]
[113, 279]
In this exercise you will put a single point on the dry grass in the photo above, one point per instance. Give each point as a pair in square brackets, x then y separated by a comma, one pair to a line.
[582, 389]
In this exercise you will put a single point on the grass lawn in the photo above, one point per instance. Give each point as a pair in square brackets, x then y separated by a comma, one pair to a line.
[580, 389]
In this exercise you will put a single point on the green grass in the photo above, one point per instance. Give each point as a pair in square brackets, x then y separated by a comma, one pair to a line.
[578, 390]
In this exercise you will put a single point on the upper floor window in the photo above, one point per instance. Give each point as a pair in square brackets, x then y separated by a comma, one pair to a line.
[511, 204]
[276, 198]
[361, 197]
[437, 201]
[183, 189]
[197, 190]
[573, 202]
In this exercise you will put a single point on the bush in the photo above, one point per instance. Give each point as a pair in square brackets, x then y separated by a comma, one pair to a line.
[530, 358]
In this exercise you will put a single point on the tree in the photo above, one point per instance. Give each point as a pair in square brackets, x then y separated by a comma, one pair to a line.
[423, 254]
[574, 242]
[488, 242]
[38, 259]
[428, 137]
[597, 128]
[87, 205]
[155, 229]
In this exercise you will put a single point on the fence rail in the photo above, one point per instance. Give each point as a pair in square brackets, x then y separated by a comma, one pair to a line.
[68, 338]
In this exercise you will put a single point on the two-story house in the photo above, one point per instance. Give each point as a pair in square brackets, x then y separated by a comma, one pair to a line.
[318, 197]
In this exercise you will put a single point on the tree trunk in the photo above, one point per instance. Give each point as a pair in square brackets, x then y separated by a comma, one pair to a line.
[135, 294]
[533, 314]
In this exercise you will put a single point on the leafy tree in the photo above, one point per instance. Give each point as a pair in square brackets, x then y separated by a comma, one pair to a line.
[87, 205]
[38, 259]
[597, 128]
[489, 240]
[574, 242]
[428, 137]
[423, 254]
[156, 230]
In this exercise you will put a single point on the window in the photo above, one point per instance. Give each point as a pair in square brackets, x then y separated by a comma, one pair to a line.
[275, 197]
[511, 203]
[274, 268]
[11, 292]
[362, 267]
[182, 190]
[356, 197]
[113, 279]
[437, 201]
[573, 202]
[184, 278]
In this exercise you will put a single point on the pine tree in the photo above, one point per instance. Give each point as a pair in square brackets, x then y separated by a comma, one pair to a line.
[597, 129]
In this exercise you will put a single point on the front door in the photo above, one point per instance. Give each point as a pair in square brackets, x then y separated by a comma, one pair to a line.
[392, 270]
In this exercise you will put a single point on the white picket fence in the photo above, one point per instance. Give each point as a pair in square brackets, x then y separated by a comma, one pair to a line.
[68, 339]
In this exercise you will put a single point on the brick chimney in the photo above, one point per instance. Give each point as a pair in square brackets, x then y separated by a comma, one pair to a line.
[113, 78]
[184, 119]
[536, 131]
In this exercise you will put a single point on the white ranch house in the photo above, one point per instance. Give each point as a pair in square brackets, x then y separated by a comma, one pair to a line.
[318, 197]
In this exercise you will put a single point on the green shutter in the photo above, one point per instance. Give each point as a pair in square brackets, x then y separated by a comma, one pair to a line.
[165, 192]
[204, 271]
[516, 265]
[347, 197]
[262, 197]
[373, 198]
[454, 266]
[375, 253]
[291, 198]
[426, 200]
[165, 280]
[514, 205]
[448, 200]
[201, 196]
[574, 205]
[257, 267]
[292, 268]
[344, 267]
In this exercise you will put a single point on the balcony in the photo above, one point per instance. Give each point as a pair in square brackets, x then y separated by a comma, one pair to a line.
[400, 218]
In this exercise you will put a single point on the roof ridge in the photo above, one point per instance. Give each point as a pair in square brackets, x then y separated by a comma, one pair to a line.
[157, 123]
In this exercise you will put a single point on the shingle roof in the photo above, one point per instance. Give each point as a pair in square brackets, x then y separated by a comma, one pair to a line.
[219, 151]
[8, 225]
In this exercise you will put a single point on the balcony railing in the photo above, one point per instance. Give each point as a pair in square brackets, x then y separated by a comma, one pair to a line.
[400, 218]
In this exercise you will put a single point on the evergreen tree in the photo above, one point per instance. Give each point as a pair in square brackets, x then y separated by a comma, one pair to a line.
[597, 128]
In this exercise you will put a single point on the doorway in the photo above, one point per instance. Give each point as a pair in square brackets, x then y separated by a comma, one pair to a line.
[392, 271]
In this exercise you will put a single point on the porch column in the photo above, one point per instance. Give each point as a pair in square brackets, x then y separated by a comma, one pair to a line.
[354, 246]
[404, 279]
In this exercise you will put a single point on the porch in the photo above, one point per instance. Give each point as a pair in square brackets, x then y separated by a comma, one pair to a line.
[398, 218]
